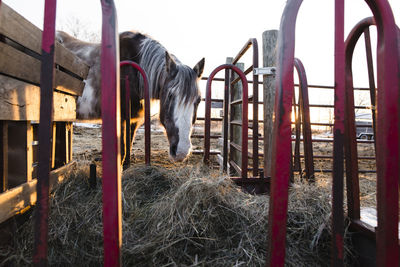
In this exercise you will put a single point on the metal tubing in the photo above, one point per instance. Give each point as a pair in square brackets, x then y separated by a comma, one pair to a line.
[282, 136]
[244, 116]
[338, 143]
[305, 117]
[45, 128]
[112, 210]
[255, 108]
[387, 136]
[296, 166]
[146, 107]
[352, 179]
[226, 126]
[371, 78]
[127, 123]
[252, 42]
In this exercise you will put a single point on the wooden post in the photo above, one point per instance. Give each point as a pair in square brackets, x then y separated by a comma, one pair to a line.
[269, 60]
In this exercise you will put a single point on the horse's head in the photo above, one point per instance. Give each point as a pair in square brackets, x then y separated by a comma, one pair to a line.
[179, 99]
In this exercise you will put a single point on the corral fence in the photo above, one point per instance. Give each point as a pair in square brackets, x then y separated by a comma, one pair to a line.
[282, 136]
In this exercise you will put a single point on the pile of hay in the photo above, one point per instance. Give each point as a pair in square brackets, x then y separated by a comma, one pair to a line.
[186, 217]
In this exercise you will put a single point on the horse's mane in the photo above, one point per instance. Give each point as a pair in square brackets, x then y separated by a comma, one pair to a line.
[153, 61]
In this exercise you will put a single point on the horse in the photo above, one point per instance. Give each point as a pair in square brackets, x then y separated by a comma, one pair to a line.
[172, 84]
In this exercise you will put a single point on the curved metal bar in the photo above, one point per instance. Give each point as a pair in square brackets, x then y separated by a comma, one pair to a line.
[305, 115]
[282, 136]
[353, 189]
[387, 137]
[112, 210]
[146, 107]
[244, 116]
[45, 128]
[252, 42]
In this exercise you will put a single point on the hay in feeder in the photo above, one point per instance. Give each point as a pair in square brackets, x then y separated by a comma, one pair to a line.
[181, 217]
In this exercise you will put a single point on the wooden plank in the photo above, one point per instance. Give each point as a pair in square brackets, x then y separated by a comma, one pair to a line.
[19, 198]
[20, 30]
[29, 151]
[3, 156]
[270, 39]
[65, 83]
[20, 101]
[21, 66]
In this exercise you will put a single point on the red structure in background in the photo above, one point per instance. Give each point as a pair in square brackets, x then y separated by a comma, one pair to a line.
[244, 102]
[387, 134]
[146, 112]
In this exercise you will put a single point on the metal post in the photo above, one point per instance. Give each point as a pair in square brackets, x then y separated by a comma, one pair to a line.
[127, 123]
[244, 116]
[387, 136]
[45, 126]
[338, 143]
[352, 182]
[112, 210]
[146, 107]
[305, 118]
[282, 137]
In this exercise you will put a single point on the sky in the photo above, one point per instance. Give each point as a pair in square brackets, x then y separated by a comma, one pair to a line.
[216, 29]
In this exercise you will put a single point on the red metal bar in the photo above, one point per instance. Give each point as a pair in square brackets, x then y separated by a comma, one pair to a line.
[296, 166]
[387, 136]
[112, 210]
[352, 179]
[338, 143]
[45, 128]
[244, 116]
[252, 42]
[305, 117]
[371, 78]
[282, 136]
[226, 120]
[127, 123]
[146, 107]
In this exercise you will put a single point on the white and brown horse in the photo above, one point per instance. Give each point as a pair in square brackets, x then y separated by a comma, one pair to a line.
[171, 82]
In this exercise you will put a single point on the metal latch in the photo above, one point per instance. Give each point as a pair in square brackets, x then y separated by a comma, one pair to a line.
[269, 71]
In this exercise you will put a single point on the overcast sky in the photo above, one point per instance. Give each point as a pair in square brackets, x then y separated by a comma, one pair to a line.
[216, 29]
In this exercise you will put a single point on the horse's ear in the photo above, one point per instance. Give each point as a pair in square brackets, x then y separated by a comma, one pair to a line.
[199, 67]
[170, 65]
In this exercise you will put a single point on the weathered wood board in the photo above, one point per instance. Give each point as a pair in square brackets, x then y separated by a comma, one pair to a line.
[19, 198]
[20, 101]
[20, 50]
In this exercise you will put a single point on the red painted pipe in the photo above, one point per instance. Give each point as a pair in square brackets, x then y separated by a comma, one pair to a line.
[387, 136]
[127, 160]
[281, 150]
[45, 128]
[338, 143]
[353, 188]
[244, 116]
[112, 210]
[252, 42]
[305, 117]
[146, 106]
